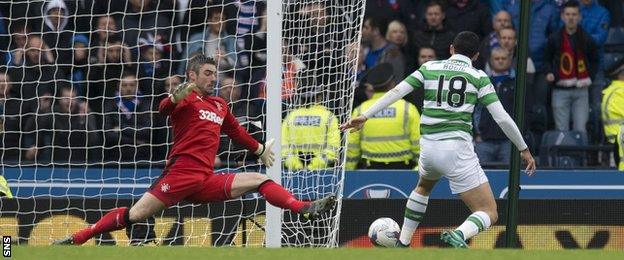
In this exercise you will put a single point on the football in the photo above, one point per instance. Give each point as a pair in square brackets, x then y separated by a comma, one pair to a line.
[384, 232]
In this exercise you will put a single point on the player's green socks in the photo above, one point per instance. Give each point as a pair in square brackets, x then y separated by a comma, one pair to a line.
[475, 223]
[414, 213]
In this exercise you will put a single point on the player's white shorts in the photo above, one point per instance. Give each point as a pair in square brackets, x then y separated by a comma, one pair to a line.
[454, 159]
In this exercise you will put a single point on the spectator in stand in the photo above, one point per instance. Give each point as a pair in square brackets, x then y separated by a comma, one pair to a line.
[10, 121]
[435, 32]
[153, 68]
[544, 21]
[397, 35]
[469, 15]
[71, 135]
[127, 122]
[214, 42]
[405, 11]
[80, 69]
[361, 57]
[571, 58]
[364, 91]
[378, 49]
[17, 45]
[501, 20]
[113, 61]
[171, 82]
[616, 11]
[425, 53]
[252, 52]
[595, 21]
[81, 13]
[491, 144]
[141, 17]
[248, 19]
[613, 105]
[5, 38]
[248, 114]
[57, 35]
[106, 28]
[35, 132]
[37, 76]
[507, 40]
[190, 17]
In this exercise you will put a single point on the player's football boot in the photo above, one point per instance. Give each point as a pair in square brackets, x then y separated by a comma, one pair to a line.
[400, 245]
[314, 210]
[453, 238]
[69, 240]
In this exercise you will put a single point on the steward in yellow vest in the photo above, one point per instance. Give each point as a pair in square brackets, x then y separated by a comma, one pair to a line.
[388, 140]
[310, 134]
[612, 106]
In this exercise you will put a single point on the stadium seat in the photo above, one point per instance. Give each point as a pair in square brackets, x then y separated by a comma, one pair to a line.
[538, 120]
[554, 139]
[614, 46]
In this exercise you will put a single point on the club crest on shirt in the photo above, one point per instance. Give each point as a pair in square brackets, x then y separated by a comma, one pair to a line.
[219, 106]
[164, 187]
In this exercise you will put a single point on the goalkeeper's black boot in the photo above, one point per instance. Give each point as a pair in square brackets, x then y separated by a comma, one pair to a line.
[316, 208]
[64, 241]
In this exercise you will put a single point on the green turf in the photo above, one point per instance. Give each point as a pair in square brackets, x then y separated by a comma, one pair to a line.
[180, 253]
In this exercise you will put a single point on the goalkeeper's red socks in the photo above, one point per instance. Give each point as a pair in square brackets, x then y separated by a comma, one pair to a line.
[114, 220]
[280, 197]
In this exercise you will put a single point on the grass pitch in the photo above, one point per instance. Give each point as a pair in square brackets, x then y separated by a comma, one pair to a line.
[196, 253]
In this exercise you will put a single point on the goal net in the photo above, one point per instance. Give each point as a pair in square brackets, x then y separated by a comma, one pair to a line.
[80, 84]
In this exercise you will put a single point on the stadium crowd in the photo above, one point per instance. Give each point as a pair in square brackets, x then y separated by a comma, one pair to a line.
[80, 81]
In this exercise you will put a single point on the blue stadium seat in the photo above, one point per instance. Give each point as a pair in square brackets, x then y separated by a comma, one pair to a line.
[538, 120]
[567, 158]
[614, 46]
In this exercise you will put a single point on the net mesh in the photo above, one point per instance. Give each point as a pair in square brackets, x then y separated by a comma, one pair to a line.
[321, 43]
[81, 83]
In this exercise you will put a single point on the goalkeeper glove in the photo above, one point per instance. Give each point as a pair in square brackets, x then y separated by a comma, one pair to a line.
[317, 163]
[181, 91]
[265, 153]
[293, 163]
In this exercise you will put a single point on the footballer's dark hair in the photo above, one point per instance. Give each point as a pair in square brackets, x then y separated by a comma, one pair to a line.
[466, 43]
[197, 61]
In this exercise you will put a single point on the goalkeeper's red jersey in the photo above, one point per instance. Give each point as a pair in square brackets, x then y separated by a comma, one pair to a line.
[197, 122]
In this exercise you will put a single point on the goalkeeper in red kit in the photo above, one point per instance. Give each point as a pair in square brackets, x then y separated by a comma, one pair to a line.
[197, 119]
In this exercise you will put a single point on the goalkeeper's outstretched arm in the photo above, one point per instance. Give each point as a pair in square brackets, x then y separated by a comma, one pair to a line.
[167, 105]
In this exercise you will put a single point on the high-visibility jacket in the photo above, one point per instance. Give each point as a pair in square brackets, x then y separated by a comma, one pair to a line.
[4, 188]
[392, 135]
[612, 108]
[620, 140]
[311, 130]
